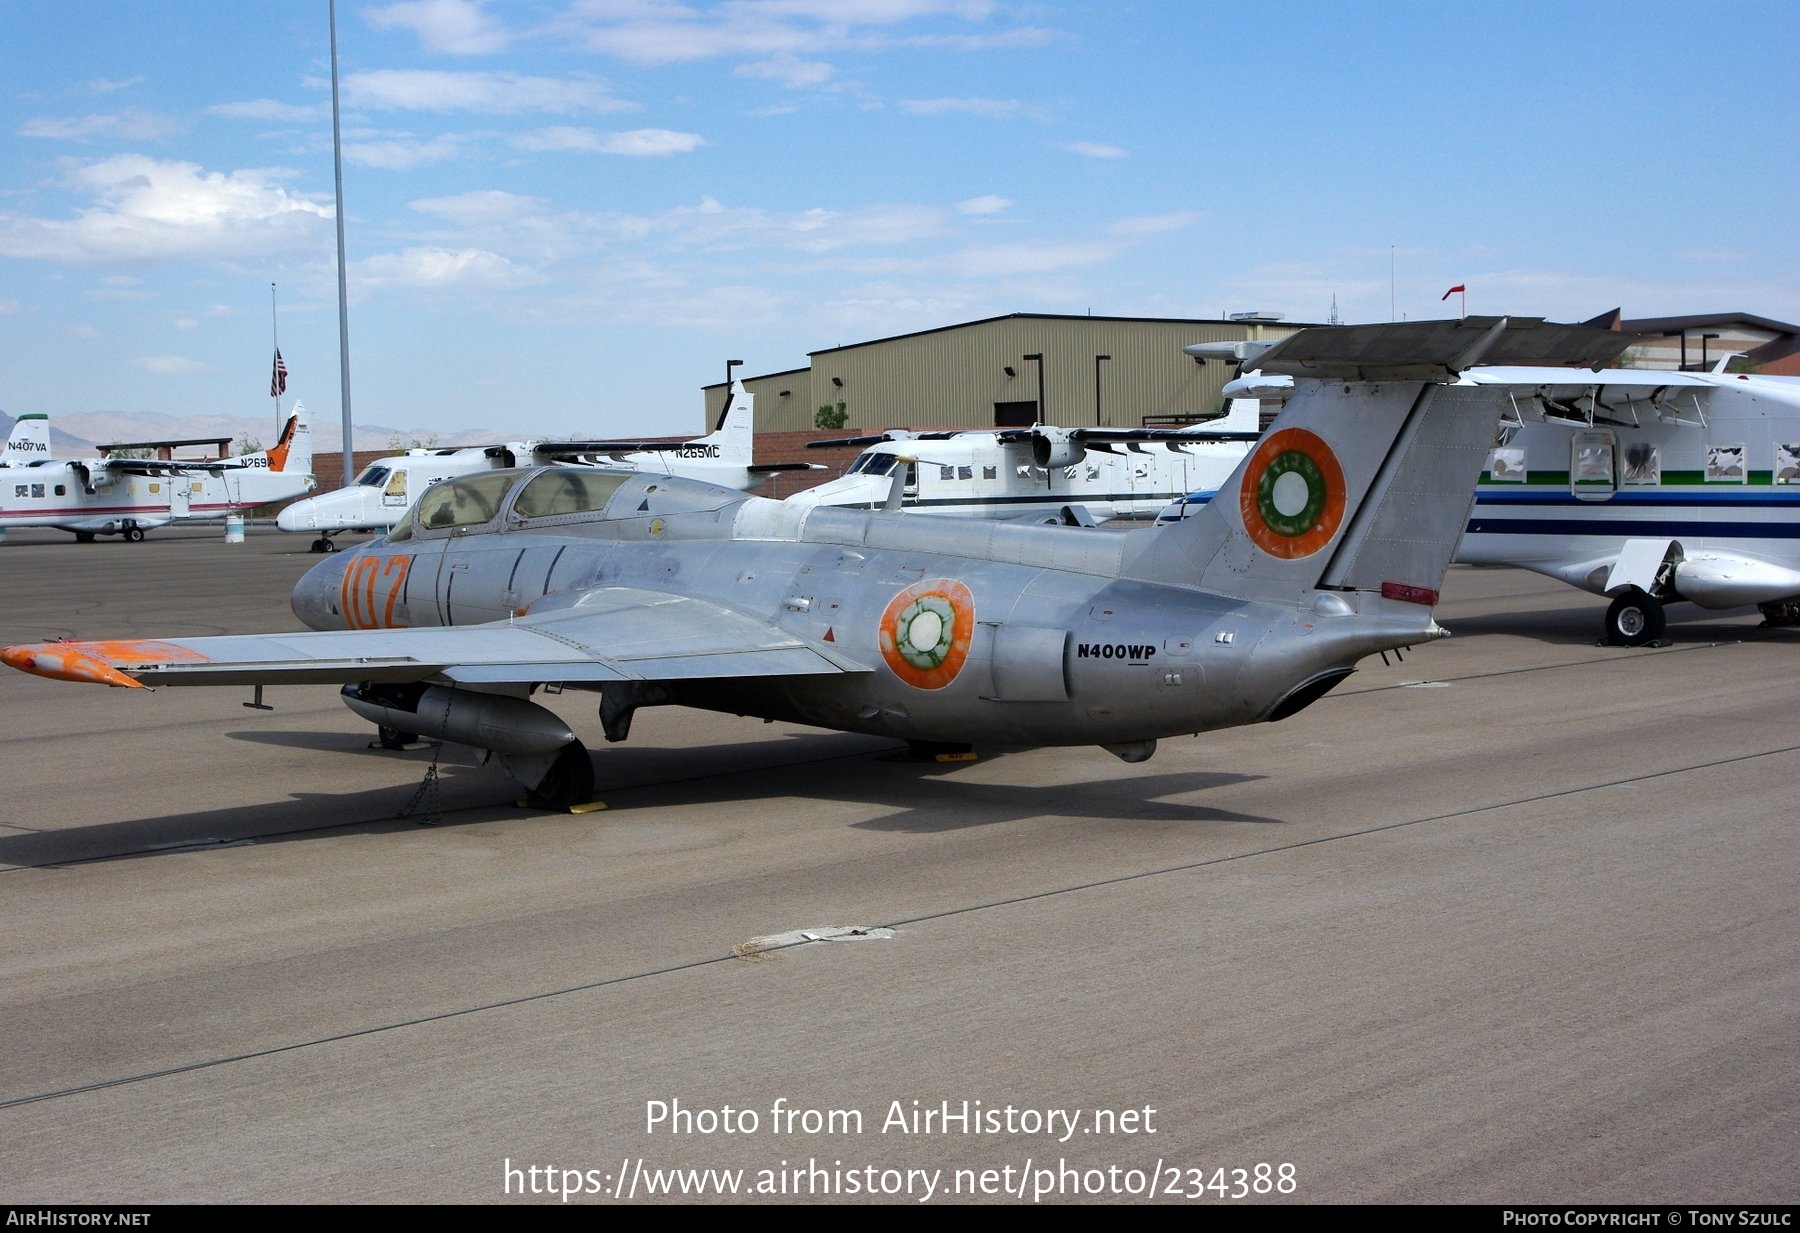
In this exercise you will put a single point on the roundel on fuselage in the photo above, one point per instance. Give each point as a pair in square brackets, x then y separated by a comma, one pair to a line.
[1292, 499]
[926, 631]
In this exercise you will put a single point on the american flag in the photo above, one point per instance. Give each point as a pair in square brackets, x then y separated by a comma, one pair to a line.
[278, 378]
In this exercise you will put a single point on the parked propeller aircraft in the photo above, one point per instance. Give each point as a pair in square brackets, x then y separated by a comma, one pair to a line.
[129, 496]
[1647, 486]
[388, 486]
[29, 441]
[1074, 476]
[1327, 545]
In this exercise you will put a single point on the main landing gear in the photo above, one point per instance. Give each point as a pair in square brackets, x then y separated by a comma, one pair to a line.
[324, 544]
[1635, 618]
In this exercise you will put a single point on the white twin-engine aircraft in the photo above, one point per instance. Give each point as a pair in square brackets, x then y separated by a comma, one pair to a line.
[387, 487]
[129, 496]
[1646, 486]
[1072, 476]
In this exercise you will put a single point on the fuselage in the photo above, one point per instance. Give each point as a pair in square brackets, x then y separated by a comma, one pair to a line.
[975, 475]
[1713, 466]
[83, 498]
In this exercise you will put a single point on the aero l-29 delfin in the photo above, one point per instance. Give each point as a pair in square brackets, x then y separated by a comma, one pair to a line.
[387, 487]
[1326, 545]
[129, 496]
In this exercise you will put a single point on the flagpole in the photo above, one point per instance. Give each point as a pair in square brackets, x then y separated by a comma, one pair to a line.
[275, 336]
[337, 167]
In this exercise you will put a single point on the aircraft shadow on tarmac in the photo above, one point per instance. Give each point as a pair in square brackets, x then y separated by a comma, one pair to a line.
[919, 797]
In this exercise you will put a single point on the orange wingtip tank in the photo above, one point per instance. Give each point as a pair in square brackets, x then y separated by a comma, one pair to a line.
[88, 661]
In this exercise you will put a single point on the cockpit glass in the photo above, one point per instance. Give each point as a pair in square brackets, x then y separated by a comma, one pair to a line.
[466, 502]
[372, 477]
[567, 490]
[874, 464]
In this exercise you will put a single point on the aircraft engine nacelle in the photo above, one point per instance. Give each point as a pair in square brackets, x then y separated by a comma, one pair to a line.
[1053, 447]
[499, 722]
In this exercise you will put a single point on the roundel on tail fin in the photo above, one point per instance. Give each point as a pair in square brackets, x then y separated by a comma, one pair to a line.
[1292, 499]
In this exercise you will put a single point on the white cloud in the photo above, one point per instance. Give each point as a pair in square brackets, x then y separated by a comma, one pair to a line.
[10, 308]
[788, 69]
[170, 365]
[636, 143]
[1094, 149]
[441, 269]
[101, 85]
[125, 125]
[651, 32]
[986, 108]
[270, 109]
[1154, 224]
[453, 27]
[492, 93]
[481, 209]
[401, 152]
[983, 205]
[146, 210]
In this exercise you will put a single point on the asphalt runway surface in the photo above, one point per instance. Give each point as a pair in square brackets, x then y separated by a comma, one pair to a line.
[1511, 921]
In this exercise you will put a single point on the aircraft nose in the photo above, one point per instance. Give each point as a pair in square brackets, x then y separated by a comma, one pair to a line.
[316, 599]
[296, 517]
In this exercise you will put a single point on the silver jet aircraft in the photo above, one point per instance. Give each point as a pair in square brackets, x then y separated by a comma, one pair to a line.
[1326, 545]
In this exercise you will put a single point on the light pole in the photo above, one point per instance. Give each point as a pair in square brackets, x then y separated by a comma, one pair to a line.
[1098, 359]
[1682, 335]
[1037, 357]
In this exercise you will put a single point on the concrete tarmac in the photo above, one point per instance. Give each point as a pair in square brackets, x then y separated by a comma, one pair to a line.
[1511, 921]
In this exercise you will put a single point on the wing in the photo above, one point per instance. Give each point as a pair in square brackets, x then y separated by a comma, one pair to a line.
[609, 634]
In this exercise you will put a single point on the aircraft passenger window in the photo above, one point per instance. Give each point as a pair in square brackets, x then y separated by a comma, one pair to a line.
[567, 491]
[987, 473]
[37, 490]
[945, 473]
[965, 473]
[20, 490]
[61, 491]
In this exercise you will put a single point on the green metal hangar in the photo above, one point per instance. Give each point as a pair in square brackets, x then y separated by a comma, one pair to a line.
[1020, 369]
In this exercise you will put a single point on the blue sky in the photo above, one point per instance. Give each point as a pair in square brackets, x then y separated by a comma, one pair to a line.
[563, 216]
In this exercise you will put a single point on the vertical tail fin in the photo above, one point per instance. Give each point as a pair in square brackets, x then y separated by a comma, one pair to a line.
[29, 442]
[1365, 480]
[736, 434]
[293, 453]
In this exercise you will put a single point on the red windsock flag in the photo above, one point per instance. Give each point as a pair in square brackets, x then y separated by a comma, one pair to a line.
[1451, 292]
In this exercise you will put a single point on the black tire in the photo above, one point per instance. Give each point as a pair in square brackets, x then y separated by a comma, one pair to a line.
[318, 545]
[133, 535]
[393, 738]
[329, 544]
[569, 783]
[1634, 619]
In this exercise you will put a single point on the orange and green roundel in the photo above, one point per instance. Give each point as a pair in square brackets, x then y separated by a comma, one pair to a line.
[1292, 500]
[926, 631]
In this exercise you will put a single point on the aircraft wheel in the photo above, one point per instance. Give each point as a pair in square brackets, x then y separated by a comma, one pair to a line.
[393, 738]
[569, 783]
[133, 535]
[1634, 619]
[328, 544]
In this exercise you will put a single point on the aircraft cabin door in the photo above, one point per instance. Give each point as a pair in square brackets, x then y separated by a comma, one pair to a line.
[1594, 465]
[180, 495]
